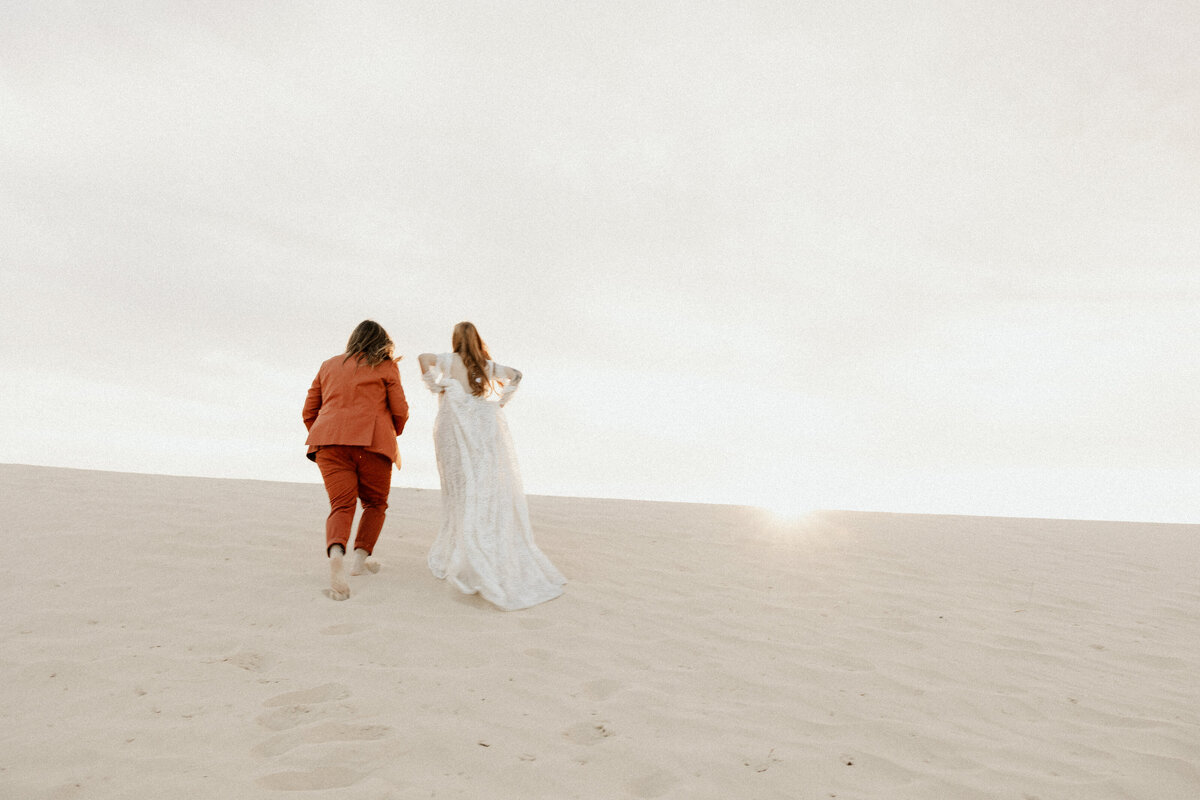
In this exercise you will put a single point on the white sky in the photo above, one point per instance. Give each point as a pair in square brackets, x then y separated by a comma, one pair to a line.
[932, 256]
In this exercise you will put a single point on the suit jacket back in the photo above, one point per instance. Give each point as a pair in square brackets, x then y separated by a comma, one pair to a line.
[352, 403]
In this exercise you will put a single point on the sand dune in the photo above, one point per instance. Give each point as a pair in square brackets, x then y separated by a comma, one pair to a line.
[170, 638]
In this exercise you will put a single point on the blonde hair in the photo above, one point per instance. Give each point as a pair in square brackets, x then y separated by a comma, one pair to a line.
[370, 343]
[475, 357]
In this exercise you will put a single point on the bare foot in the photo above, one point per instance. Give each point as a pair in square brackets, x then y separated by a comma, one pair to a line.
[338, 588]
[360, 563]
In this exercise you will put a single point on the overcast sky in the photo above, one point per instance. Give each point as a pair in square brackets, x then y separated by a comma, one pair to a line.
[932, 256]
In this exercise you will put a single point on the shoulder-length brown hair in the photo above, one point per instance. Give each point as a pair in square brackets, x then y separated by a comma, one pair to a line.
[370, 343]
[474, 354]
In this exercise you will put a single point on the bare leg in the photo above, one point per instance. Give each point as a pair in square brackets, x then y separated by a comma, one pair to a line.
[360, 563]
[338, 588]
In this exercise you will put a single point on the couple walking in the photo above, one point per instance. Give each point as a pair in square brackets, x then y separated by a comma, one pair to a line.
[355, 410]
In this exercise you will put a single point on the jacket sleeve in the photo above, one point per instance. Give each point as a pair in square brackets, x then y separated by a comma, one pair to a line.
[397, 403]
[312, 404]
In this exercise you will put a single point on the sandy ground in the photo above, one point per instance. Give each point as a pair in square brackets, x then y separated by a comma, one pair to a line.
[171, 638]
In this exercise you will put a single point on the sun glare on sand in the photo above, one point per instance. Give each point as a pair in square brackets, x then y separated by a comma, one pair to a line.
[784, 499]
[787, 510]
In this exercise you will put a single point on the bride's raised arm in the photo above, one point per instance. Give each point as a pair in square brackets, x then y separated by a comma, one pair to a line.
[428, 362]
[509, 380]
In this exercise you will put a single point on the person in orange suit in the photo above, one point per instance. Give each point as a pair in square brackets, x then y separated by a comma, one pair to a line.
[354, 411]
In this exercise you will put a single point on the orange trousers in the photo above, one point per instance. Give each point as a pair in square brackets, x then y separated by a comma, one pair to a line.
[352, 474]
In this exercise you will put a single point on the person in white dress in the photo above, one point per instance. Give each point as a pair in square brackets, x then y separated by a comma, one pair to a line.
[485, 544]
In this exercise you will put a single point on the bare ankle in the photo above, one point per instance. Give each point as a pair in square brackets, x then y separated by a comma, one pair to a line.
[361, 564]
[338, 588]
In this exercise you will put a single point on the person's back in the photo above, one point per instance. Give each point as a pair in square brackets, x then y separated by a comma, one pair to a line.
[497, 372]
[355, 403]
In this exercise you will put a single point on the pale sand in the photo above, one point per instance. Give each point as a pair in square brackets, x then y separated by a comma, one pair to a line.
[172, 638]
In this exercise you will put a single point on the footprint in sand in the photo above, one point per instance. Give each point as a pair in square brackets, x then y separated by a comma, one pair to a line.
[289, 713]
[655, 784]
[297, 708]
[318, 694]
[587, 733]
[282, 719]
[247, 660]
[320, 734]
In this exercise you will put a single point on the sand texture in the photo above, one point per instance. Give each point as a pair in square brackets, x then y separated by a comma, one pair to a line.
[172, 637]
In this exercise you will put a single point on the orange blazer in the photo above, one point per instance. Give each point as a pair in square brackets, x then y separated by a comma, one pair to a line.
[352, 403]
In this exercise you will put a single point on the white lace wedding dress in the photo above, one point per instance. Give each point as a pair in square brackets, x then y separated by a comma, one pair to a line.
[485, 544]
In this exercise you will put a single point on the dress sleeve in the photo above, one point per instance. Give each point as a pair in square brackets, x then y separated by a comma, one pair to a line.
[434, 377]
[509, 378]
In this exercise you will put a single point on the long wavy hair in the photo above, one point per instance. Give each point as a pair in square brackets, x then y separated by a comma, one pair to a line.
[475, 357]
[370, 343]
